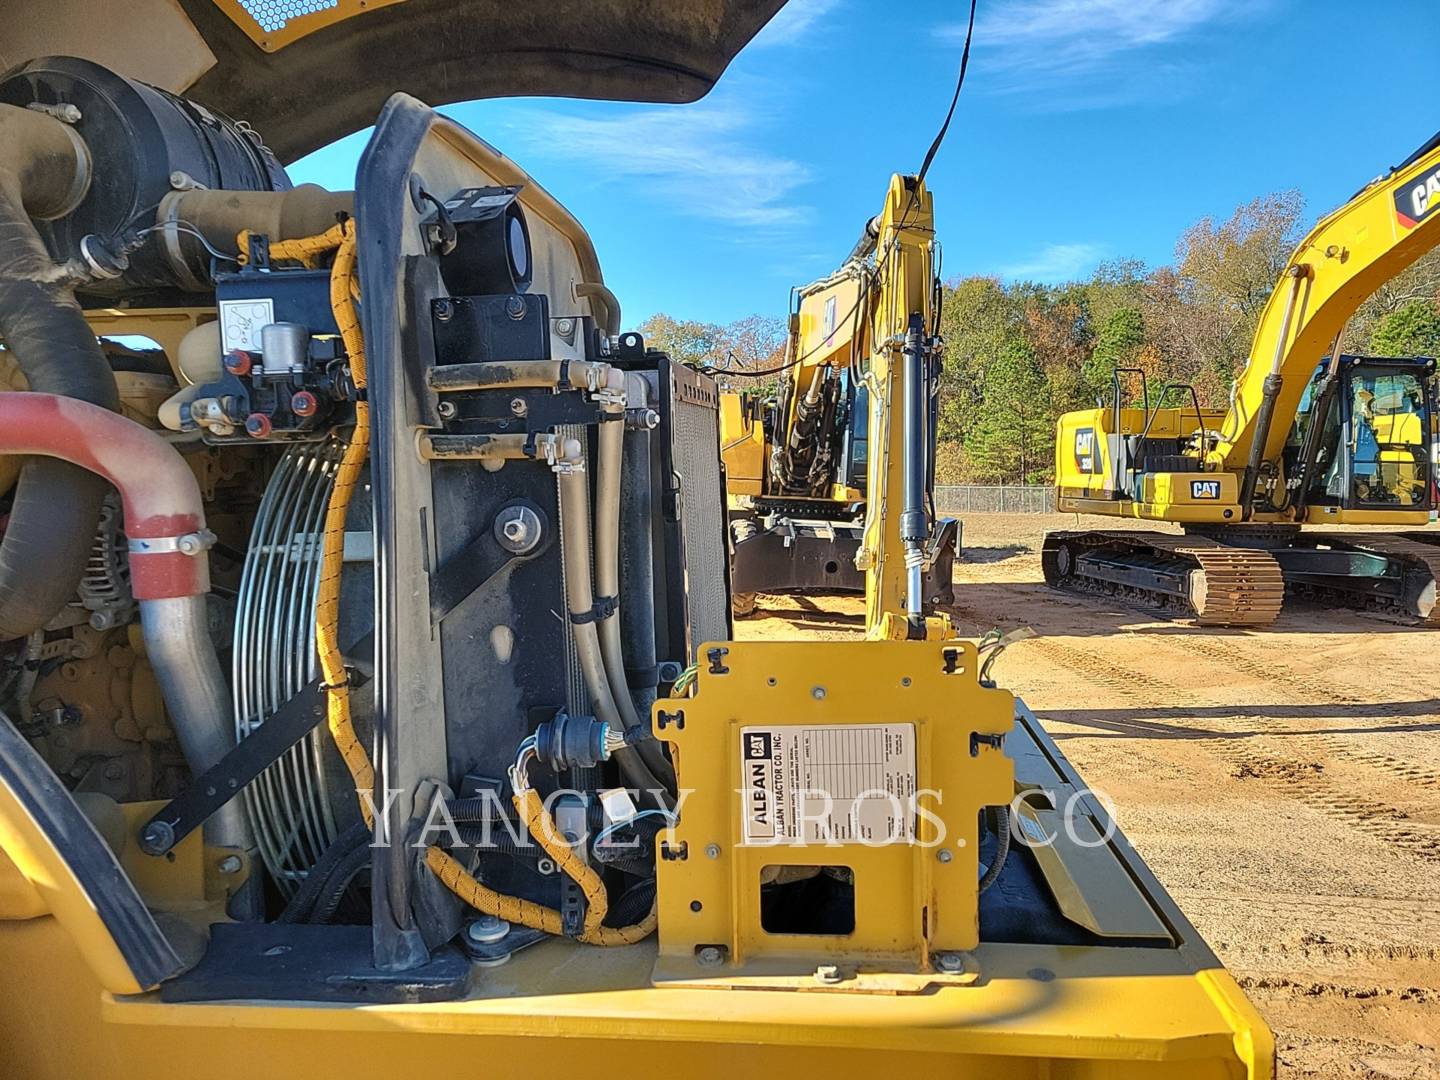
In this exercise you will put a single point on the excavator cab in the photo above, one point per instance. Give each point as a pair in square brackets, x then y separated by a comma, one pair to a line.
[1362, 435]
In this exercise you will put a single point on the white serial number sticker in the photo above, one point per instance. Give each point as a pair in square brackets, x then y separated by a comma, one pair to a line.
[852, 783]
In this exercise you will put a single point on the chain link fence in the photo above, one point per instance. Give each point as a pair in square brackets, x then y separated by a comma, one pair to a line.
[994, 499]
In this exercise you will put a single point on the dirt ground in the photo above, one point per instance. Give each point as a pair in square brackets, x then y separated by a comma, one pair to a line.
[1284, 784]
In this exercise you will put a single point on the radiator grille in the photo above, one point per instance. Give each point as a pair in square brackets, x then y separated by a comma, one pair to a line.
[696, 456]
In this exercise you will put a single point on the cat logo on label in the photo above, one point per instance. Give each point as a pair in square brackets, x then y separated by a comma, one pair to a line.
[1205, 489]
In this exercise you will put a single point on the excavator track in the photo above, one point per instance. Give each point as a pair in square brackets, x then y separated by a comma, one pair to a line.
[1217, 584]
[1418, 558]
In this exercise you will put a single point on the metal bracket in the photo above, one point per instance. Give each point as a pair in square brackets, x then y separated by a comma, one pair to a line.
[254, 754]
[480, 562]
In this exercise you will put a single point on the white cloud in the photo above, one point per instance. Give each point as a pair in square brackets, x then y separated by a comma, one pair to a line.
[1101, 51]
[1056, 263]
[793, 23]
[700, 160]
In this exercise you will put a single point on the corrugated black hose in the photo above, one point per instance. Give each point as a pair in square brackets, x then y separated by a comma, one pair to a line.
[56, 506]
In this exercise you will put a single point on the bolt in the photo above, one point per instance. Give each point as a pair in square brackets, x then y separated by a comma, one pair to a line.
[545, 866]
[818, 693]
[710, 956]
[827, 974]
[487, 930]
[231, 864]
[114, 771]
[304, 403]
[444, 309]
[515, 306]
[944, 854]
[193, 543]
[157, 837]
[238, 362]
[950, 963]
[565, 327]
[257, 425]
[518, 529]
[712, 851]
[65, 113]
[446, 409]
[518, 406]
[905, 681]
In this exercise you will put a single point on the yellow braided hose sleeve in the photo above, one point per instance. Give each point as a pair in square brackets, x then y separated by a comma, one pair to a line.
[332, 551]
[486, 900]
[536, 916]
[454, 876]
[306, 249]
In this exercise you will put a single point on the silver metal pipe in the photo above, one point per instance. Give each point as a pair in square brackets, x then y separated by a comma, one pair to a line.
[177, 643]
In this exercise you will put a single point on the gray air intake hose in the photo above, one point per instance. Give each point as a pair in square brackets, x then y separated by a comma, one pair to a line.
[44, 171]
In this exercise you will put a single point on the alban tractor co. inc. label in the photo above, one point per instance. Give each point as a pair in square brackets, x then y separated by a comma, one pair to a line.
[846, 783]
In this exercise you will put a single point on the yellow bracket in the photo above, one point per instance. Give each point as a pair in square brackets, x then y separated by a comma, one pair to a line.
[771, 720]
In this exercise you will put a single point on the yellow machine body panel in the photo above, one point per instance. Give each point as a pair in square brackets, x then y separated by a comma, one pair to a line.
[742, 447]
[1014, 1011]
[1084, 457]
[1147, 1021]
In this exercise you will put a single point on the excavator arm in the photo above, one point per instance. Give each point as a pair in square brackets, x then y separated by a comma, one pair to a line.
[1385, 228]
[863, 356]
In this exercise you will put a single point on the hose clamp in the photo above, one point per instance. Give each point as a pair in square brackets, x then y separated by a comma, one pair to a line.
[192, 544]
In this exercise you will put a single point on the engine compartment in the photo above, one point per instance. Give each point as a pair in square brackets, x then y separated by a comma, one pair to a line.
[533, 555]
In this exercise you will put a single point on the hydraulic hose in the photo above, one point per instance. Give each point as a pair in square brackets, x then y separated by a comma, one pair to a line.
[607, 580]
[1270, 392]
[44, 172]
[302, 904]
[575, 525]
[1001, 823]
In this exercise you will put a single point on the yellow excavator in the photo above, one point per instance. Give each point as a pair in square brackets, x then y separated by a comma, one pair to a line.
[367, 699]
[1313, 436]
[797, 460]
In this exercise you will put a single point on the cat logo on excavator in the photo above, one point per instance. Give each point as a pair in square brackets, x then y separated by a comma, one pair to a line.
[1416, 201]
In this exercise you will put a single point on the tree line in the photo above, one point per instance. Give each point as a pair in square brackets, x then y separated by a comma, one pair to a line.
[1020, 353]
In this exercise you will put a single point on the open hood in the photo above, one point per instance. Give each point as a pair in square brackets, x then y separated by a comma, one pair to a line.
[306, 72]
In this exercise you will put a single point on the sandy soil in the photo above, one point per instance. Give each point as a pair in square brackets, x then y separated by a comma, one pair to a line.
[1283, 784]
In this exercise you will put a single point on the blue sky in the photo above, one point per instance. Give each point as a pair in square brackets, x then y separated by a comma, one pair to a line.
[1088, 129]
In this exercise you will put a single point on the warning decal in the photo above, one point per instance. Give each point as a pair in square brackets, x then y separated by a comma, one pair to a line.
[852, 783]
